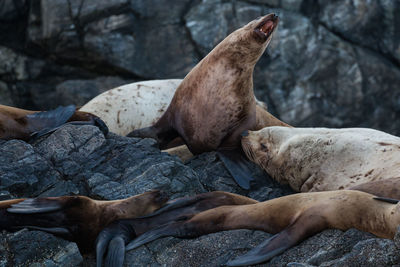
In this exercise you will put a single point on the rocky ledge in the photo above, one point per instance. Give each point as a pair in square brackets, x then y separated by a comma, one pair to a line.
[81, 160]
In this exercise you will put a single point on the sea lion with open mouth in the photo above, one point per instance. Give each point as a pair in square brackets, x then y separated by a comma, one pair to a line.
[215, 102]
[321, 159]
[290, 218]
[76, 218]
[16, 123]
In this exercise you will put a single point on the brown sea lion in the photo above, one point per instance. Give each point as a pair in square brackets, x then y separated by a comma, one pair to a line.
[77, 218]
[215, 102]
[291, 218]
[24, 124]
[321, 159]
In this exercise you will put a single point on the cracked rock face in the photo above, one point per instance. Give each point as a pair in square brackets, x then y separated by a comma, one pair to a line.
[81, 160]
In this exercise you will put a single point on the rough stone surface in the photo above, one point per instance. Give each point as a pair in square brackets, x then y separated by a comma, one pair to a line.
[35, 248]
[81, 160]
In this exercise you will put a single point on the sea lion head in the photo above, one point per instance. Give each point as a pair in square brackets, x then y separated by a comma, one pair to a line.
[250, 41]
[261, 146]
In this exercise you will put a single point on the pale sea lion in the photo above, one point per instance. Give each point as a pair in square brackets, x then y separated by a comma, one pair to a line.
[291, 218]
[133, 106]
[215, 102]
[77, 218]
[16, 123]
[321, 159]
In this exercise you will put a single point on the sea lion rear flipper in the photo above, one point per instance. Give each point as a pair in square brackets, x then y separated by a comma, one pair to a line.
[36, 205]
[236, 165]
[44, 122]
[271, 247]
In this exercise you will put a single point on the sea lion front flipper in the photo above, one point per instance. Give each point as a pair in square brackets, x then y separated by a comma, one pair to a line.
[161, 135]
[113, 239]
[236, 165]
[44, 122]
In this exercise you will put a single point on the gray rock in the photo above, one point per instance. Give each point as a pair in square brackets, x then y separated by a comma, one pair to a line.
[367, 23]
[79, 92]
[35, 248]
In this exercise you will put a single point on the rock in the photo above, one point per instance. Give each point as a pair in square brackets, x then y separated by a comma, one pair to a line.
[367, 23]
[79, 92]
[81, 160]
[35, 248]
[14, 66]
[11, 9]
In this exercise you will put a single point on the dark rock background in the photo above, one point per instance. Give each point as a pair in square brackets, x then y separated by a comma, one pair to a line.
[331, 63]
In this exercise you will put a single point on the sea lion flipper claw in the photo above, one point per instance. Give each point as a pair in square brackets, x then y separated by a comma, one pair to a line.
[43, 122]
[236, 165]
[36, 205]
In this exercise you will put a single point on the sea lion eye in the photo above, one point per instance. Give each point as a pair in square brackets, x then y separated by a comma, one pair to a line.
[264, 147]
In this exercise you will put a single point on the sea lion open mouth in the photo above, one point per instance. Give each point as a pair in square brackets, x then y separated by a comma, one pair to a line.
[267, 26]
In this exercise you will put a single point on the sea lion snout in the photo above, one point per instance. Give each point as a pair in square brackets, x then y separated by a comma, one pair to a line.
[267, 26]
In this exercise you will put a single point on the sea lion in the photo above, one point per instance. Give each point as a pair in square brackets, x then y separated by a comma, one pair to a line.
[321, 159]
[133, 106]
[305, 214]
[24, 124]
[114, 237]
[141, 104]
[77, 218]
[215, 102]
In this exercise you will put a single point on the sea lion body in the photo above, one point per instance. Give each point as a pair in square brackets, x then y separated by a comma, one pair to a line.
[16, 123]
[290, 218]
[215, 101]
[141, 104]
[133, 106]
[296, 217]
[78, 218]
[321, 159]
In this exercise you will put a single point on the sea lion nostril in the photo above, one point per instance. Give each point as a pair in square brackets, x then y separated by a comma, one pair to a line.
[244, 133]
